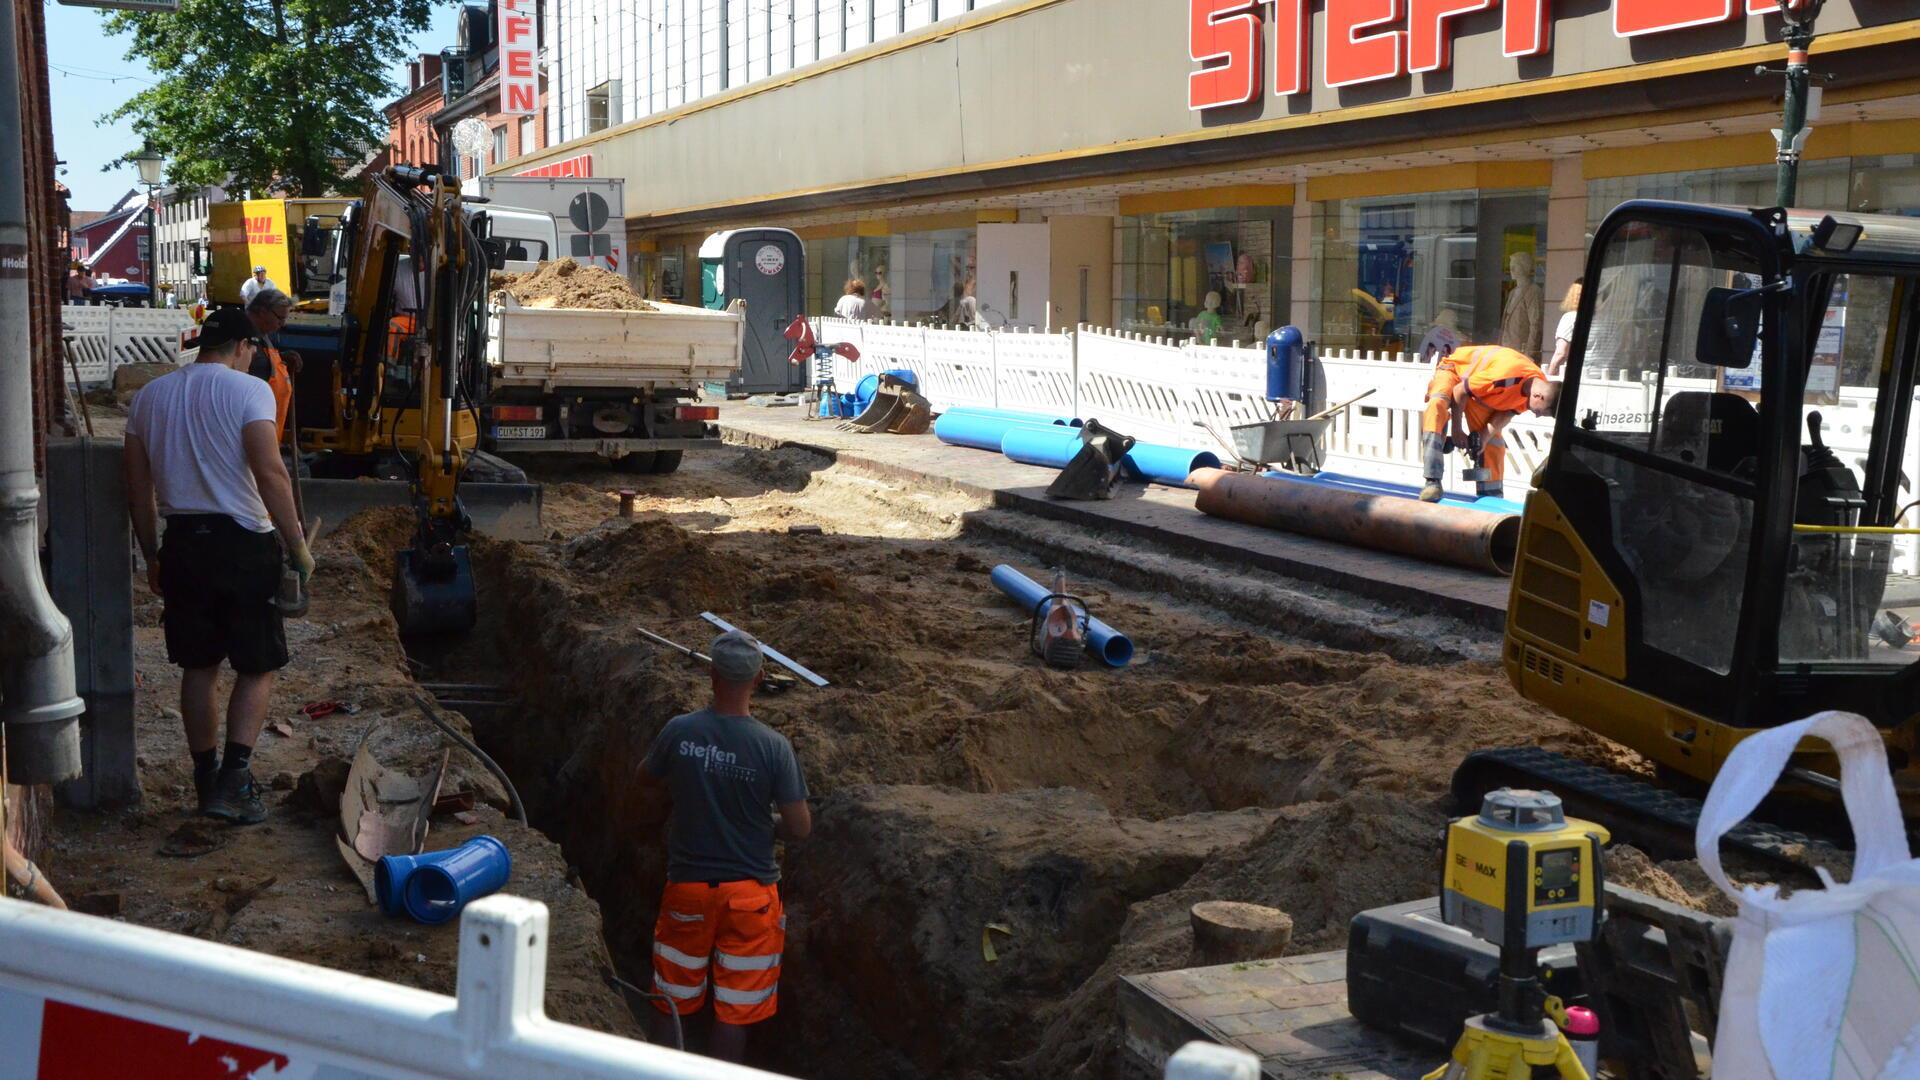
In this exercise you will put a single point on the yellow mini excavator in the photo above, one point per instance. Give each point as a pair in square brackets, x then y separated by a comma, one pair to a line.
[1723, 538]
[390, 389]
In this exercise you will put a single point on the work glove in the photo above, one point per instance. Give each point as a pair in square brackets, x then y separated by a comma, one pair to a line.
[301, 560]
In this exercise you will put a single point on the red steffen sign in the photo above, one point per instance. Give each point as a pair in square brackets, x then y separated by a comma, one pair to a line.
[578, 167]
[1371, 40]
[519, 77]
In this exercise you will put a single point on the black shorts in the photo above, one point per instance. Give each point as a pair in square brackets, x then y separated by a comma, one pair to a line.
[218, 580]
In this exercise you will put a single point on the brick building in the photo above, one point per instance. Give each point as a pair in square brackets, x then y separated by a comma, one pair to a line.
[411, 139]
[459, 82]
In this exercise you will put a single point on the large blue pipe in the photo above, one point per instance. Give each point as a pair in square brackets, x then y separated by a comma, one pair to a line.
[1408, 491]
[1109, 646]
[1017, 414]
[1169, 465]
[1050, 446]
[983, 431]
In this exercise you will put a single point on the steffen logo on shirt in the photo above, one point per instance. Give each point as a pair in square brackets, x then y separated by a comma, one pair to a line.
[716, 760]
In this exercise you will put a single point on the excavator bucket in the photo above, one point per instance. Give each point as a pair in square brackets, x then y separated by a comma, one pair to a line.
[1095, 470]
[433, 592]
[896, 408]
[502, 511]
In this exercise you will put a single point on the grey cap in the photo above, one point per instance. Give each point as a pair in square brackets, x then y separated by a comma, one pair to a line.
[736, 656]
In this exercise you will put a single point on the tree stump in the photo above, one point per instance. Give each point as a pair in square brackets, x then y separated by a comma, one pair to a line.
[1230, 932]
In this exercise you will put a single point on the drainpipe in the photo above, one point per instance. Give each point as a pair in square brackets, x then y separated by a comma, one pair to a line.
[38, 703]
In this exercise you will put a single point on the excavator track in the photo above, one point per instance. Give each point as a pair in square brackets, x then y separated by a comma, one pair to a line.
[1651, 818]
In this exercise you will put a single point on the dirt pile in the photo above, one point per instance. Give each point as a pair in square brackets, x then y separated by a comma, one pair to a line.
[933, 684]
[563, 283]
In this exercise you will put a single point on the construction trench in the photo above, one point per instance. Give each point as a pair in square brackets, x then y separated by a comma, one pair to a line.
[958, 783]
[1270, 742]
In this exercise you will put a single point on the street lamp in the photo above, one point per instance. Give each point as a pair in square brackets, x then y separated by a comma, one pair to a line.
[150, 164]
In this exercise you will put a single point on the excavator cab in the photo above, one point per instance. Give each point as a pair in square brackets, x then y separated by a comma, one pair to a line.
[1724, 536]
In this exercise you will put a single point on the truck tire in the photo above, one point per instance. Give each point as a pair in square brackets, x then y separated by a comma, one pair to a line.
[640, 462]
[666, 461]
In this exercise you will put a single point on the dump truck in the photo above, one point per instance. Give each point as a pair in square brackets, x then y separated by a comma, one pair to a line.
[621, 384]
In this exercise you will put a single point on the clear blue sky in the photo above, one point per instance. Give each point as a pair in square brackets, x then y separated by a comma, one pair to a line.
[91, 76]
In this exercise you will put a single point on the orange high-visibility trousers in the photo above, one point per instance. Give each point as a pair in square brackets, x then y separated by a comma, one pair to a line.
[730, 933]
[1490, 372]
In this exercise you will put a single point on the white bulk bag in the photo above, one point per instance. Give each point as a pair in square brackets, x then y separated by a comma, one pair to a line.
[1823, 984]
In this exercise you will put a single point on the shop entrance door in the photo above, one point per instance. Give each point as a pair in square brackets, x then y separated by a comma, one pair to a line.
[1014, 271]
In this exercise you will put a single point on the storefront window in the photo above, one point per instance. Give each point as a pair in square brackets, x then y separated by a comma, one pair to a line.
[1822, 183]
[1167, 266]
[1392, 268]
[911, 276]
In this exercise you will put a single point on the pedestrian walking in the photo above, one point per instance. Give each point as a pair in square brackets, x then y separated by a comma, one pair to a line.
[201, 454]
[853, 301]
[1563, 333]
[254, 284]
[721, 920]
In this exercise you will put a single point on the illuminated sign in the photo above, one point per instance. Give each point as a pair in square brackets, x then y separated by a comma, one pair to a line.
[1365, 41]
[519, 69]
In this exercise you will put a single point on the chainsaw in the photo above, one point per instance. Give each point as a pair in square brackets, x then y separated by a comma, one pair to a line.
[1059, 634]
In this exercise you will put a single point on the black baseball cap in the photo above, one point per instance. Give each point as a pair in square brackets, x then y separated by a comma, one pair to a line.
[226, 325]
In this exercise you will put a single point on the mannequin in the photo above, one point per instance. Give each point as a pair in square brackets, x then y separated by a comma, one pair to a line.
[1520, 323]
[1208, 326]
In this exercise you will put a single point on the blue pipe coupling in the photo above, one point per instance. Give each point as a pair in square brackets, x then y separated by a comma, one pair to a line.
[434, 886]
[1110, 646]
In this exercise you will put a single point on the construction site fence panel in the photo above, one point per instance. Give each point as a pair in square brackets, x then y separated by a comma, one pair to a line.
[100, 339]
[85, 996]
[1183, 394]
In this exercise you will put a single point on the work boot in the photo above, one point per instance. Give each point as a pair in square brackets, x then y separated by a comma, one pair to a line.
[236, 798]
[204, 780]
[1431, 493]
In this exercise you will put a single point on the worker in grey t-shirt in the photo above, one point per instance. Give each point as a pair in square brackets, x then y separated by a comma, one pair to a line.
[721, 920]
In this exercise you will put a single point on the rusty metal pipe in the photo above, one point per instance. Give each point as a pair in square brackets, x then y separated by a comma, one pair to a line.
[1471, 538]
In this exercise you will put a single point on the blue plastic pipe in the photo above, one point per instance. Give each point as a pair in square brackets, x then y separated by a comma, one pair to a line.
[438, 889]
[1167, 465]
[1109, 646]
[1050, 446]
[1024, 417]
[982, 431]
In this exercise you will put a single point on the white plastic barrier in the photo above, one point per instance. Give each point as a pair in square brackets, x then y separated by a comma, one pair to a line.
[1137, 386]
[1190, 395]
[83, 996]
[103, 338]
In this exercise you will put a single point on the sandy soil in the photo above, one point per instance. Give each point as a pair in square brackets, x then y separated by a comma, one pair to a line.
[933, 685]
[563, 283]
[281, 887]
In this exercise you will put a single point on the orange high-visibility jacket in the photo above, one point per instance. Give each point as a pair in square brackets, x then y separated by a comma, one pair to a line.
[1496, 376]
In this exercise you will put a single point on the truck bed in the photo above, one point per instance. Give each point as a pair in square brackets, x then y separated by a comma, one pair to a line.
[552, 348]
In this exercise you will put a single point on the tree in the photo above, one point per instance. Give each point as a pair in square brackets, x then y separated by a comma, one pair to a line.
[258, 93]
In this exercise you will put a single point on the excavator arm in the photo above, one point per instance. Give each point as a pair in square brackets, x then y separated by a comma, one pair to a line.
[417, 293]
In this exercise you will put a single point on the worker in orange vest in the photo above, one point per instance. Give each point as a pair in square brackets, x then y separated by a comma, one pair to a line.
[1475, 392]
[268, 311]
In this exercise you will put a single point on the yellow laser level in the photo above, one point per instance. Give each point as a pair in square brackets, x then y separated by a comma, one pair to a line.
[1523, 876]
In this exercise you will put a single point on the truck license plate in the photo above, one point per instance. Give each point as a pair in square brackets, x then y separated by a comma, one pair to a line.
[520, 431]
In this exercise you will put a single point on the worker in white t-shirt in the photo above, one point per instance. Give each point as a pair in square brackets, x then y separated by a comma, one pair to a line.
[254, 284]
[201, 453]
